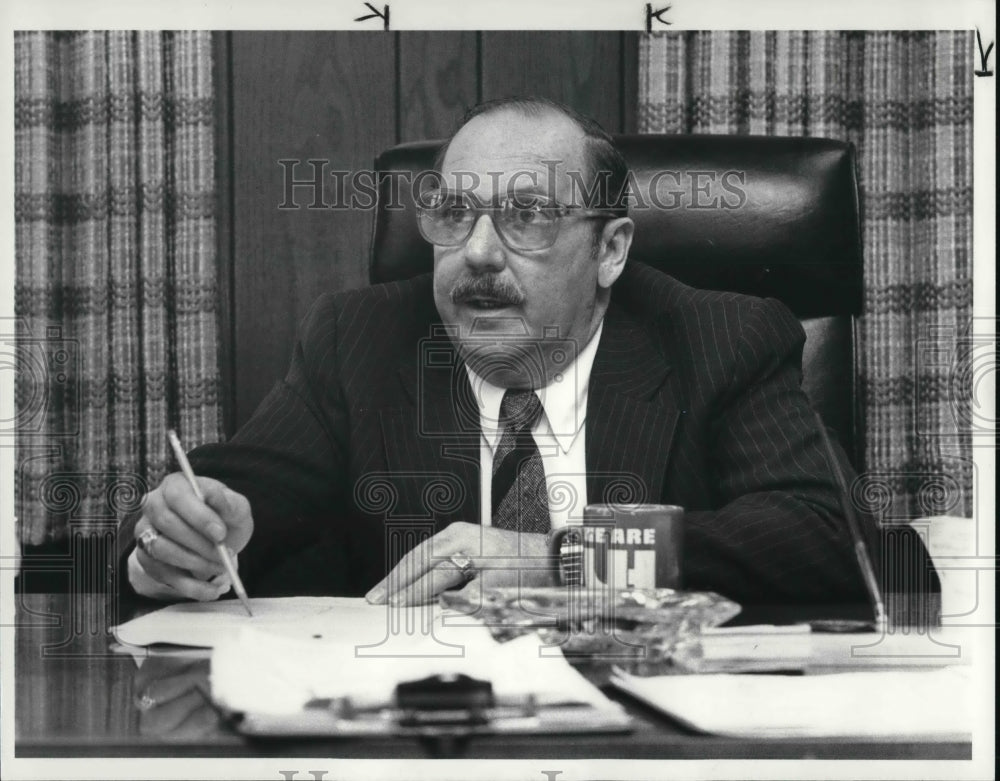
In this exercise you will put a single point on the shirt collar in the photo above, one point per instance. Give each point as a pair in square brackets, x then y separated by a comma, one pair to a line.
[564, 400]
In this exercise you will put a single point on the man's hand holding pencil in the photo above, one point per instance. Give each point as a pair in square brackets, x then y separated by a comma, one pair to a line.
[179, 535]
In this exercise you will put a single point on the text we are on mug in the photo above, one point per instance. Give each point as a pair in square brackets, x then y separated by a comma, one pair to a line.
[625, 546]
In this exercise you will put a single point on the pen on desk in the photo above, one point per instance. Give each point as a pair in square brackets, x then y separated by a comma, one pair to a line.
[857, 538]
[185, 465]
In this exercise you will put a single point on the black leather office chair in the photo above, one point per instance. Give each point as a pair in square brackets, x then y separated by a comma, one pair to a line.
[753, 214]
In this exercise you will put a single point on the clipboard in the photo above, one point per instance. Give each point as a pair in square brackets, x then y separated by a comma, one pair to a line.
[436, 707]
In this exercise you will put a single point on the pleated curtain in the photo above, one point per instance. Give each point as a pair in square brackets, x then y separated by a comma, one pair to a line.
[116, 292]
[904, 99]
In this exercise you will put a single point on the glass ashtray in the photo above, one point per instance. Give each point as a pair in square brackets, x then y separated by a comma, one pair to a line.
[632, 624]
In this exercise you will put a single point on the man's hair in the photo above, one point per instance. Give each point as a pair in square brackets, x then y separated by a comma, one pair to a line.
[599, 148]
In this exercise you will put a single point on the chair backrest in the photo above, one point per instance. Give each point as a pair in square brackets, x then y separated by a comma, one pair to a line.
[761, 215]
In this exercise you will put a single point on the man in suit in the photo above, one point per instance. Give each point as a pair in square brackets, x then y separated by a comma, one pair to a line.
[437, 430]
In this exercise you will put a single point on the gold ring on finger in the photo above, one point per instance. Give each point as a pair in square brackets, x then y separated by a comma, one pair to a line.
[464, 565]
[145, 541]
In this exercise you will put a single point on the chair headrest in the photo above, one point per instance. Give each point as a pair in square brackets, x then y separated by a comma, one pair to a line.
[762, 215]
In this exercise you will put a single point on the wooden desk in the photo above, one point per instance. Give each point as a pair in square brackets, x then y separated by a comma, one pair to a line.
[75, 698]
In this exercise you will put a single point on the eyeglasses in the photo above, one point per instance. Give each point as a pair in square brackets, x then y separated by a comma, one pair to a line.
[525, 223]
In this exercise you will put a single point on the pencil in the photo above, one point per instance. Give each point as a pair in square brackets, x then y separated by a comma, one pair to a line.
[185, 465]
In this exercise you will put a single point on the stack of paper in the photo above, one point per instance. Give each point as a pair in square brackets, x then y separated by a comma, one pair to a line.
[931, 703]
[300, 649]
[263, 673]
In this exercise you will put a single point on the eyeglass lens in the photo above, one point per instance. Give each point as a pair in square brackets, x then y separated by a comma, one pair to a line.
[524, 224]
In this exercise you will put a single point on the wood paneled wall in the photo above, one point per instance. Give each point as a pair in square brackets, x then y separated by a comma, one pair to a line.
[343, 97]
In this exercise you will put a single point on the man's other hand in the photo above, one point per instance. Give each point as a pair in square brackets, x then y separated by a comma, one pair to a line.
[449, 559]
[178, 552]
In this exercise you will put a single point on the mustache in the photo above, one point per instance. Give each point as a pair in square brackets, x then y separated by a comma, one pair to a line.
[487, 286]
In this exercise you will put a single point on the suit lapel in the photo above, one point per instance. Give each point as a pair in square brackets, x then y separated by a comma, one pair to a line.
[632, 413]
[432, 438]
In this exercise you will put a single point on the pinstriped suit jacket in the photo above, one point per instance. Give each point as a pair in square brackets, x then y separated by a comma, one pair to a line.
[694, 400]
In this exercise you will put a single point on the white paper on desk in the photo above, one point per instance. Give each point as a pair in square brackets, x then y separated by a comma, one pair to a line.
[206, 624]
[260, 672]
[929, 703]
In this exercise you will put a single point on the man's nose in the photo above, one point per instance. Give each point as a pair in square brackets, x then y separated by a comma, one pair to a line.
[483, 247]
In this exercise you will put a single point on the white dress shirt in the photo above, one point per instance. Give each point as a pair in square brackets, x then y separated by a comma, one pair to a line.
[560, 434]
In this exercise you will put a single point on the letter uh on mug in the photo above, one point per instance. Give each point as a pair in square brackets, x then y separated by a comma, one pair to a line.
[624, 546]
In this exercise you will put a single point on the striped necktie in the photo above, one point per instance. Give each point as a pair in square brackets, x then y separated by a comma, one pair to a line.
[519, 495]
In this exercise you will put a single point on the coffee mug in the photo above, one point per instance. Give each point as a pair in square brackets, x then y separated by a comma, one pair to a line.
[626, 546]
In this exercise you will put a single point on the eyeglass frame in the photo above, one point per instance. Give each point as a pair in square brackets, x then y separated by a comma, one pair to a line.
[563, 211]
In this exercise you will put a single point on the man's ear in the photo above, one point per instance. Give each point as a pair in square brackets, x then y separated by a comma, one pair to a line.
[615, 240]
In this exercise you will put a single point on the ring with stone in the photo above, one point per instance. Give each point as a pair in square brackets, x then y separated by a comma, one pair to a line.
[464, 565]
[145, 541]
[145, 702]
